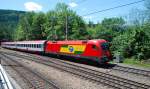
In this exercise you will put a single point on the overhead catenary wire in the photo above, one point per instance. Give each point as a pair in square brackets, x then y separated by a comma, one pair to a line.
[114, 7]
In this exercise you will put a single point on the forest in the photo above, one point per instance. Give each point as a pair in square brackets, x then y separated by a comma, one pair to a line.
[129, 36]
[8, 23]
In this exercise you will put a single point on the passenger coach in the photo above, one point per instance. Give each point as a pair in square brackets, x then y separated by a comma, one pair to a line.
[33, 46]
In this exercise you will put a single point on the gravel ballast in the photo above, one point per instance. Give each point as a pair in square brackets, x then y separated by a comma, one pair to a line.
[69, 81]
[62, 79]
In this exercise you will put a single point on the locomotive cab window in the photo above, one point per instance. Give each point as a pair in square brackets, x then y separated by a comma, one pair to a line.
[105, 46]
[94, 47]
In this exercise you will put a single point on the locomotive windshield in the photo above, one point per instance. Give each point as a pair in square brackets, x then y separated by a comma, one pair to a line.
[105, 46]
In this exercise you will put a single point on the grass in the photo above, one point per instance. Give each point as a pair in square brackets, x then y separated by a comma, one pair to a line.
[136, 63]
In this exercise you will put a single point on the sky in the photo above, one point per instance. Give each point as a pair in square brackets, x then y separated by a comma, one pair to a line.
[82, 7]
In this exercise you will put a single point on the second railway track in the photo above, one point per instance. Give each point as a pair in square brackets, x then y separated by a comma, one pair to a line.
[33, 79]
[132, 70]
[86, 73]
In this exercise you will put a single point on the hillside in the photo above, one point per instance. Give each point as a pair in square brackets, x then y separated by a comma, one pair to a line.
[8, 22]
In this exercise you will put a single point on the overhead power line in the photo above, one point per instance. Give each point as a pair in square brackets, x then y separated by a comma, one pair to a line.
[114, 7]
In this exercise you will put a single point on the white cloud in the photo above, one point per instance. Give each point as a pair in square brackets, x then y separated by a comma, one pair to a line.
[32, 6]
[73, 4]
[88, 17]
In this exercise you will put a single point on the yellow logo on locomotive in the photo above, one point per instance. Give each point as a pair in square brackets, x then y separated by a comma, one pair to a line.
[74, 49]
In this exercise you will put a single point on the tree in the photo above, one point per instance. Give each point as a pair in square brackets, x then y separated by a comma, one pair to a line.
[23, 31]
[38, 30]
[137, 17]
[110, 27]
[57, 21]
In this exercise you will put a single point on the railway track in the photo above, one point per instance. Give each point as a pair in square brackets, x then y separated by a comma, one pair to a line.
[132, 70]
[139, 72]
[33, 79]
[89, 74]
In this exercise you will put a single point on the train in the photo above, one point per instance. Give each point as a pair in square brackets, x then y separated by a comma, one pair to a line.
[94, 50]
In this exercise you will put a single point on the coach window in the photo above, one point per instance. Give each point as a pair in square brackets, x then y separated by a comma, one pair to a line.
[33, 45]
[37, 45]
[94, 47]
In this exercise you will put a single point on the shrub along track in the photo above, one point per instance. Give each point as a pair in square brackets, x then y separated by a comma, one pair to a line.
[32, 78]
[86, 73]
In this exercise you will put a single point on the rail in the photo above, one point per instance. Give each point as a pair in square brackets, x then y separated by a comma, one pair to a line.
[88, 74]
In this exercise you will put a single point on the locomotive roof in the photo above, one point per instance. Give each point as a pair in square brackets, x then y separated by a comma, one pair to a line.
[77, 41]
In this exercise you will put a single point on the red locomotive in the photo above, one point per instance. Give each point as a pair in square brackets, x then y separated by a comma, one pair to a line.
[95, 50]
